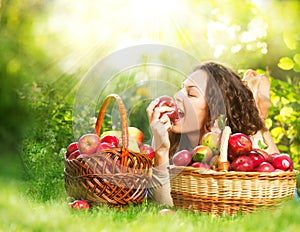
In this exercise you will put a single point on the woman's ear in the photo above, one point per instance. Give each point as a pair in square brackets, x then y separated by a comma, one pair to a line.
[260, 87]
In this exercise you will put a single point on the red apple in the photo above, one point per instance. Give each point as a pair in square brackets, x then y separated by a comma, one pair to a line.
[182, 158]
[72, 147]
[238, 144]
[274, 155]
[104, 146]
[202, 153]
[212, 140]
[136, 134]
[256, 157]
[73, 155]
[168, 101]
[242, 164]
[147, 150]
[282, 161]
[111, 139]
[79, 204]
[264, 167]
[262, 152]
[166, 211]
[200, 165]
[88, 143]
[271, 157]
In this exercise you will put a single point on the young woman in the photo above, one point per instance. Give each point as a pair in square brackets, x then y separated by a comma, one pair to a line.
[212, 89]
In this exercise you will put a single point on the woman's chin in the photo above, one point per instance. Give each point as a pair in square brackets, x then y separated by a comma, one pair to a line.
[177, 125]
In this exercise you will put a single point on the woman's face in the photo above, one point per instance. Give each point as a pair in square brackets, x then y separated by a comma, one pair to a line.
[193, 110]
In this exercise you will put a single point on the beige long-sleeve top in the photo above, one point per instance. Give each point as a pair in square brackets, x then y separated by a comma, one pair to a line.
[160, 190]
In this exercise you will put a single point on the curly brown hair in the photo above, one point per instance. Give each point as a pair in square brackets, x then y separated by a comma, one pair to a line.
[225, 94]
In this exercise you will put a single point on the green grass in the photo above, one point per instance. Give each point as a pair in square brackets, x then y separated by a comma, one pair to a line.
[19, 212]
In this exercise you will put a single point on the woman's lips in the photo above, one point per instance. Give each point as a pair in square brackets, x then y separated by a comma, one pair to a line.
[180, 116]
[180, 113]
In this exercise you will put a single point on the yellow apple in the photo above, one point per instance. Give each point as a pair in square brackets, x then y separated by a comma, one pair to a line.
[136, 134]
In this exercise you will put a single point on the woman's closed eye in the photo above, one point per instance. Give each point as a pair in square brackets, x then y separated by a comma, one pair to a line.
[192, 92]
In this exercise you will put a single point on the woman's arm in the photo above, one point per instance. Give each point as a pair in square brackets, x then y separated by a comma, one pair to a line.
[159, 190]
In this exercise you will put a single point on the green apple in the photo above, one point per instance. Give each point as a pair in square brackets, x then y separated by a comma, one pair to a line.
[202, 153]
[136, 134]
[212, 140]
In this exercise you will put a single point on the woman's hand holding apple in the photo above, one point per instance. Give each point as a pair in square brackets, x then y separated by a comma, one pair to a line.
[160, 124]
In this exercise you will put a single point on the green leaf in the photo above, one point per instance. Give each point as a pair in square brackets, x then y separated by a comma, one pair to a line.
[296, 67]
[221, 121]
[286, 63]
[286, 112]
[290, 39]
[262, 145]
[297, 58]
[268, 123]
[283, 148]
[277, 133]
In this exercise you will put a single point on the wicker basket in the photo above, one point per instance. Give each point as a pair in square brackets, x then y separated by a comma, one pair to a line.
[115, 176]
[229, 192]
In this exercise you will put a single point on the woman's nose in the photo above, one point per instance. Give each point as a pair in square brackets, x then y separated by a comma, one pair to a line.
[179, 96]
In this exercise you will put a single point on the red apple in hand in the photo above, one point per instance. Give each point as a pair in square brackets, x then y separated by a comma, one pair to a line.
[212, 140]
[111, 139]
[238, 144]
[256, 157]
[242, 164]
[182, 158]
[264, 167]
[202, 153]
[147, 150]
[79, 204]
[168, 101]
[88, 143]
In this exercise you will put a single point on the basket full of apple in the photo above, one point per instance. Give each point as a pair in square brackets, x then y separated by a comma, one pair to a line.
[226, 175]
[112, 167]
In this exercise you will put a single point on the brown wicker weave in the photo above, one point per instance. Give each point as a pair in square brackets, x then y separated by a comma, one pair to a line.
[115, 176]
[229, 192]
[223, 192]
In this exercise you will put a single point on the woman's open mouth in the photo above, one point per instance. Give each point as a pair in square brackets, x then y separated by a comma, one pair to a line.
[180, 113]
[180, 116]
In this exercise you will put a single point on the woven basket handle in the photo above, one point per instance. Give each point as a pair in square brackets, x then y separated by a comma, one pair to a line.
[123, 116]
[223, 160]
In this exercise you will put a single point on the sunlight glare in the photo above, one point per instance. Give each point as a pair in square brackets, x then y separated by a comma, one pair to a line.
[151, 20]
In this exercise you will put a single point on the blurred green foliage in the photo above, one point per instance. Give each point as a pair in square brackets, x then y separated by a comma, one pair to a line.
[39, 77]
[284, 120]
